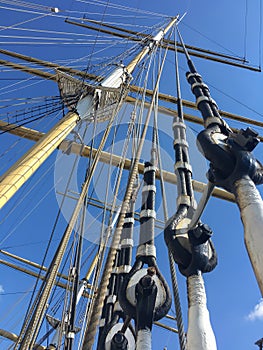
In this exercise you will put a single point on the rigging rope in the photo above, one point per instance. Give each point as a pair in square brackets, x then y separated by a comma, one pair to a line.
[124, 152]
[32, 305]
[37, 317]
[118, 178]
[91, 328]
[117, 186]
[69, 312]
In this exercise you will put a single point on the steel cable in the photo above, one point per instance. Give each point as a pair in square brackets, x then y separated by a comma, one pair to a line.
[91, 328]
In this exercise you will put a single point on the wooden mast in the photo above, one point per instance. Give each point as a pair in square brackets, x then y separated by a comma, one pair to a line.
[21, 171]
[32, 324]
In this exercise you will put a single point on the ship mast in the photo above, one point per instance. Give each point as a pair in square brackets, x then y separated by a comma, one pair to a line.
[87, 107]
[33, 322]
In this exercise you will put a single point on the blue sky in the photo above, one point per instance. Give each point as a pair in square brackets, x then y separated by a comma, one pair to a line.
[234, 300]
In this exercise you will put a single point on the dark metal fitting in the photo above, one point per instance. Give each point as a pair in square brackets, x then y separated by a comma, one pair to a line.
[246, 139]
[119, 342]
[216, 150]
[200, 234]
[145, 292]
[204, 259]
[145, 283]
[151, 271]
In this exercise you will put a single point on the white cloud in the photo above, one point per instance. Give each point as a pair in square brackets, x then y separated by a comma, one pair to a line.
[257, 312]
[1, 289]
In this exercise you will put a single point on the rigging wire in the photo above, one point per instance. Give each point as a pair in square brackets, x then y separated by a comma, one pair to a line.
[236, 100]
[57, 295]
[109, 15]
[223, 92]
[246, 29]
[66, 40]
[97, 34]
[91, 327]
[34, 83]
[211, 40]
[25, 4]
[37, 316]
[31, 120]
[122, 8]
[57, 15]
[181, 333]
[23, 22]
[27, 100]
[55, 43]
[87, 311]
[86, 201]
[63, 199]
[119, 27]
[68, 314]
[260, 33]
[11, 147]
[31, 303]
[122, 24]
[142, 93]
[47, 108]
[39, 7]
[46, 31]
[113, 207]
[15, 320]
[179, 318]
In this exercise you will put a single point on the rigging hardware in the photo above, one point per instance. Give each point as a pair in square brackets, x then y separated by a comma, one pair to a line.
[192, 250]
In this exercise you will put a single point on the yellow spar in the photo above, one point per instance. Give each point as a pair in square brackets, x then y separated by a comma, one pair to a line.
[20, 172]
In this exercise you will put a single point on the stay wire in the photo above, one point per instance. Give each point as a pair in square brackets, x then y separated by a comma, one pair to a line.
[177, 303]
[123, 8]
[116, 191]
[23, 22]
[94, 45]
[91, 331]
[32, 305]
[25, 4]
[103, 238]
[260, 33]
[246, 29]
[179, 318]
[211, 40]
